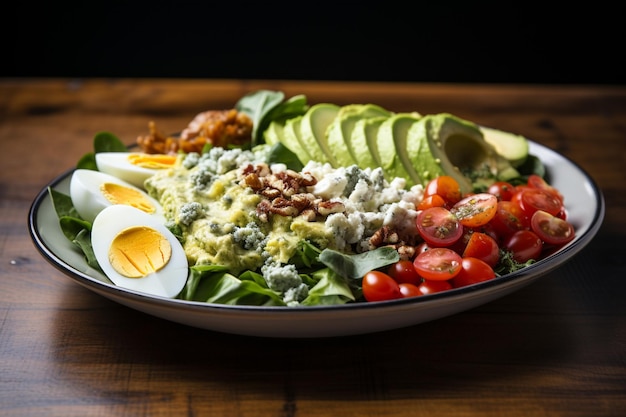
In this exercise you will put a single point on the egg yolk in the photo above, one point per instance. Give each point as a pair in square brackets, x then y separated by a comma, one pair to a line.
[156, 161]
[138, 251]
[118, 194]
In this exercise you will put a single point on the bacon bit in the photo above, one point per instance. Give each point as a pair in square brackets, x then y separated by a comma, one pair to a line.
[220, 128]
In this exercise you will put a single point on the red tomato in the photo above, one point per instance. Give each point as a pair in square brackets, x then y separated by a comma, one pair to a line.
[476, 210]
[535, 181]
[444, 186]
[551, 229]
[434, 200]
[378, 286]
[524, 245]
[409, 290]
[461, 243]
[532, 199]
[483, 247]
[488, 230]
[438, 264]
[438, 226]
[431, 286]
[422, 247]
[507, 220]
[403, 271]
[473, 270]
[502, 190]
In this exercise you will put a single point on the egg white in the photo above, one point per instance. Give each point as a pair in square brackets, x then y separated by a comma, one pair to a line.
[118, 165]
[165, 282]
[88, 200]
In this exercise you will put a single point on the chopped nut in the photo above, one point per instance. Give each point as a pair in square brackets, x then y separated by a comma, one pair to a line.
[253, 181]
[383, 236]
[326, 208]
[406, 252]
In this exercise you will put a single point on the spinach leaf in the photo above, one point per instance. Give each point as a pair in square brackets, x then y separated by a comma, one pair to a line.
[265, 106]
[257, 105]
[197, 274]
[87, 161]
[279, 153]
[212, 284]
[306, 255]
[331, 289]
[74, 228]
[108, 142]
[62, 204]
[102, 142]
[355, 266]
[83, 241]
[290, 108]
[532, 165]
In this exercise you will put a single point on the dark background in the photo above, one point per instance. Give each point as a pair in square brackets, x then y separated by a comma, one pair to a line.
[381, 41]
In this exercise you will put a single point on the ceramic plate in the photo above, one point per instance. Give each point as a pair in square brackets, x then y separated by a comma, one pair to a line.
[583, 200]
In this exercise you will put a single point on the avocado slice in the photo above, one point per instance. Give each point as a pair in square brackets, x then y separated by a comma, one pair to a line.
[416, 156]
[459, 148]
[364, 138]
[391, 140]
[293, 140]
[287, 133]
[340, 132]
[513, 147]
[313, 127]
[274, 133]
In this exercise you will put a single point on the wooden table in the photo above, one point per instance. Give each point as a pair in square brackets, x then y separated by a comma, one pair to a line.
[555, 348]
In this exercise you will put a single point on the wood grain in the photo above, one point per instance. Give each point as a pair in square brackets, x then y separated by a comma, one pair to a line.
[554, 348]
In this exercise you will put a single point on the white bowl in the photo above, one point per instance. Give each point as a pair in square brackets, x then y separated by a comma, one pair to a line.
[583, 199]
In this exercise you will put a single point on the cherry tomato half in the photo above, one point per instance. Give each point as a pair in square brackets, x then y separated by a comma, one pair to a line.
[438, 264]
[473, 270]
[444, 186]
[403, 271]
[475, 210]
[378, 286]
[484, 247]
[535, 181]
[434, 200]
[507, 220]
[438, 226]
[524, 245]
[503, 190]
[551, 229]
[532, 199]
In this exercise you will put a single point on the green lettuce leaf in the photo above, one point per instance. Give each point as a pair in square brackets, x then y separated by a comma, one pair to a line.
[74, 228]
[331, 289]
[213, 284]
[355, 266]
[102, 142]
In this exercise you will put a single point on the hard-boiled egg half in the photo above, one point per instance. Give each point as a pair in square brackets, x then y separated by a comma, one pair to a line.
[136, 251]
[92, 191]
[133, 167]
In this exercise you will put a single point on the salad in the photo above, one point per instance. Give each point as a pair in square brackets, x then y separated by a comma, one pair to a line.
[279, 203]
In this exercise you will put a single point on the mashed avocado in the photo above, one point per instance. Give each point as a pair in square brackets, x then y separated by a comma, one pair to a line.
[216, 214]
[215, 202]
